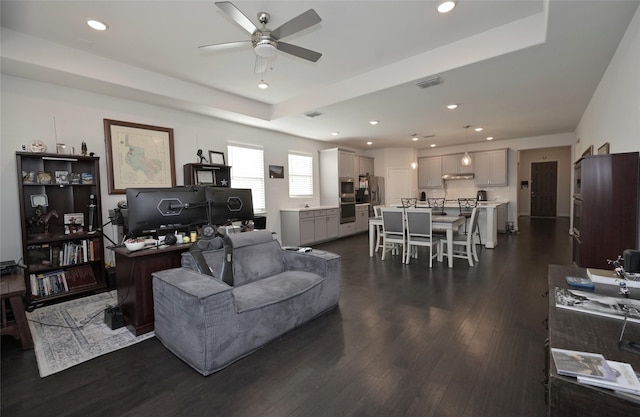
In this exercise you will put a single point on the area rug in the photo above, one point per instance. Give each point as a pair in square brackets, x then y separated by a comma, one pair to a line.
[73, 332]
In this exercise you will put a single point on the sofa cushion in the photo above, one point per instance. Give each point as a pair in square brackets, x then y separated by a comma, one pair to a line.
[274, 289]
[213, 258]
[256, 255]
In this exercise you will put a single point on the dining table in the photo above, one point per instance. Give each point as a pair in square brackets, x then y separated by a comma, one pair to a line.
[447, 223]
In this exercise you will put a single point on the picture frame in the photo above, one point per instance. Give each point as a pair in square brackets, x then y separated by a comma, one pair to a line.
[128, 143]
[39, 200]
[216, 158]
[205, 177]
[588, 151]
[604, 149]
[276, 171]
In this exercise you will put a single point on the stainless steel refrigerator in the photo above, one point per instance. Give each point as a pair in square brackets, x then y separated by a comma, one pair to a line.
[370, 190]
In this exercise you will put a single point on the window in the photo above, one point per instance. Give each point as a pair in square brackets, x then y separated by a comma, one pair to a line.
[300, 175]
[247, 171]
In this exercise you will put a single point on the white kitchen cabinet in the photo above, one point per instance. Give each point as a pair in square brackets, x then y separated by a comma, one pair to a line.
[362, 218]
[430, 172]
[491, 168]
[364, 165]
[346, 164]
[452, 164]
[305, 227]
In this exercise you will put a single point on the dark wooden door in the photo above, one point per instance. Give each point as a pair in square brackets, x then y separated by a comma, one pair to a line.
[544, 188]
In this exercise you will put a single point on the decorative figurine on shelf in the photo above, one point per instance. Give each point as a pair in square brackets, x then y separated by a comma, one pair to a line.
[203, 159]
[83, 149]
[92, 210]
[40, 218]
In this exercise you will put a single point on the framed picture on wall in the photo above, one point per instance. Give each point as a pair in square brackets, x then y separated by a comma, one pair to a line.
[138, 156]
[588, 151]
[604, 149]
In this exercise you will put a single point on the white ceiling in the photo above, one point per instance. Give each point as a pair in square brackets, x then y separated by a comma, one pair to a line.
[516, 68]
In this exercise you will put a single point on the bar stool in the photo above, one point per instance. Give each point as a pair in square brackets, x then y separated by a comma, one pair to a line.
[466, 208]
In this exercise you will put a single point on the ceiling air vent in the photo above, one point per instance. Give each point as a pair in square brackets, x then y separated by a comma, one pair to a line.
[429, 82]
[313, 114]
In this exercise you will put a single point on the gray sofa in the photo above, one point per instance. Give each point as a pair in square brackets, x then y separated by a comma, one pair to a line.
[210, 324]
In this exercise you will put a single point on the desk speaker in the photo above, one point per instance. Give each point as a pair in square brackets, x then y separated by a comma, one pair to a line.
[631, 259]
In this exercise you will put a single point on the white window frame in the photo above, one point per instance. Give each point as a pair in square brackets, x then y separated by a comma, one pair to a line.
[302, 174]
[247, 171]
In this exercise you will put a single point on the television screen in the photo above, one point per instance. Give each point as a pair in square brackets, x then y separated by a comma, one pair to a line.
[229, 204]
[165, 209]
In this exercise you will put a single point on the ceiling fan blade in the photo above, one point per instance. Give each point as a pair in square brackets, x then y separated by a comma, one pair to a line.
[299, 51]
[295, 25]
[226, 45]
[237, 16]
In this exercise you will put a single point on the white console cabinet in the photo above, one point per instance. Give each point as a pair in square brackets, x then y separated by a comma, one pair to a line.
[301, 227]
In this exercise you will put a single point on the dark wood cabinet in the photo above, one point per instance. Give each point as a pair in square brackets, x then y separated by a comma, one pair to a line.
[134, 282]
[574, 330]
[61, 219]
[605, 208]
[207, 174]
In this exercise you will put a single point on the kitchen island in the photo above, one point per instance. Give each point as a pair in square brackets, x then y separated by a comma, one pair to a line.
[491, 220]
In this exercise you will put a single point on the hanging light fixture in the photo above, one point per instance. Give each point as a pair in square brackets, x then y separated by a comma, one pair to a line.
[466, 159]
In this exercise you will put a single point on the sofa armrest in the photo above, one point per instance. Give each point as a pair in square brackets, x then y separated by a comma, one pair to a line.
[316, 261]
[190, 282]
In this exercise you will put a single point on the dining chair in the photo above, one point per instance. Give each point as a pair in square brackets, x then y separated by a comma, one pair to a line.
[466, 207]
[420, 233]
[377, 211]
[409, 202]
[393, 233]
[437, 206]
[464, 245]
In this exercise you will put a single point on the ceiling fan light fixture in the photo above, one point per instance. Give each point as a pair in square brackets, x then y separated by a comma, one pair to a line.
[97, 25]
[446, 6]
[263, 85]
[265, 48]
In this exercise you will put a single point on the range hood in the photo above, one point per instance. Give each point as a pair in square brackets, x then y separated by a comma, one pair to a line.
[458, 176]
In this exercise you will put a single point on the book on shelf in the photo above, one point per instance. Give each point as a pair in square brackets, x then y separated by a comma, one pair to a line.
[87, 178]
[75, 178]
[609, 277]
[601, 305]
[576, 363]
[61, 177]
[80, 277]
[39, 256]
[48, 283]
[626, 379]
[579, 282]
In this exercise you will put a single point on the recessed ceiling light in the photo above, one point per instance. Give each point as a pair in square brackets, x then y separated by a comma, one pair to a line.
[96, 24]
[335, 133]
[446, 6]
[478, 129]
[262, 85]
[369, 143]
[374, 122]
[490, 138]
[433, 145]
[415, 139]
[452, 106]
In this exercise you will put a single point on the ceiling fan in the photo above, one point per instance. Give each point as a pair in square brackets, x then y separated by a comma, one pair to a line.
[266, 42]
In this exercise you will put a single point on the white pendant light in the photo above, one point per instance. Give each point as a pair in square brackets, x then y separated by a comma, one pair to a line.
[466, 159]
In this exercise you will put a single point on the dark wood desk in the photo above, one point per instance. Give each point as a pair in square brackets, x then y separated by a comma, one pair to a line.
[134, 285]
[588, 333]
[12, 288]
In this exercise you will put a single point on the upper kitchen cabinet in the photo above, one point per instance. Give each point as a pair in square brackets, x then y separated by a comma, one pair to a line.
[430, 172]
[491, 168]
[452, 164]
[346, 164]
[364, 165]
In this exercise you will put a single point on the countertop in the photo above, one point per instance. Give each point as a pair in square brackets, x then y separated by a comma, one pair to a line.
[311, 208]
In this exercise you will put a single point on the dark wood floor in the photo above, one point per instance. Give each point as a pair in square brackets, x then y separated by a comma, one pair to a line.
[405, 341]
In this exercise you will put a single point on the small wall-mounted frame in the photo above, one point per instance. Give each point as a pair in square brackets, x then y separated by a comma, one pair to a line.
[588, 151]
[276, 171]
[604, 149]
[216, 158]
[39, 200]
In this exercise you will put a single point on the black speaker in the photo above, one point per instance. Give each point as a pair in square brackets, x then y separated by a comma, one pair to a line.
[631, 259]
[113, 317]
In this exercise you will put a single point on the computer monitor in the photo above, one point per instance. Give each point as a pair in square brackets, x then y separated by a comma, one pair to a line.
[229, 204]
[158, 210]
